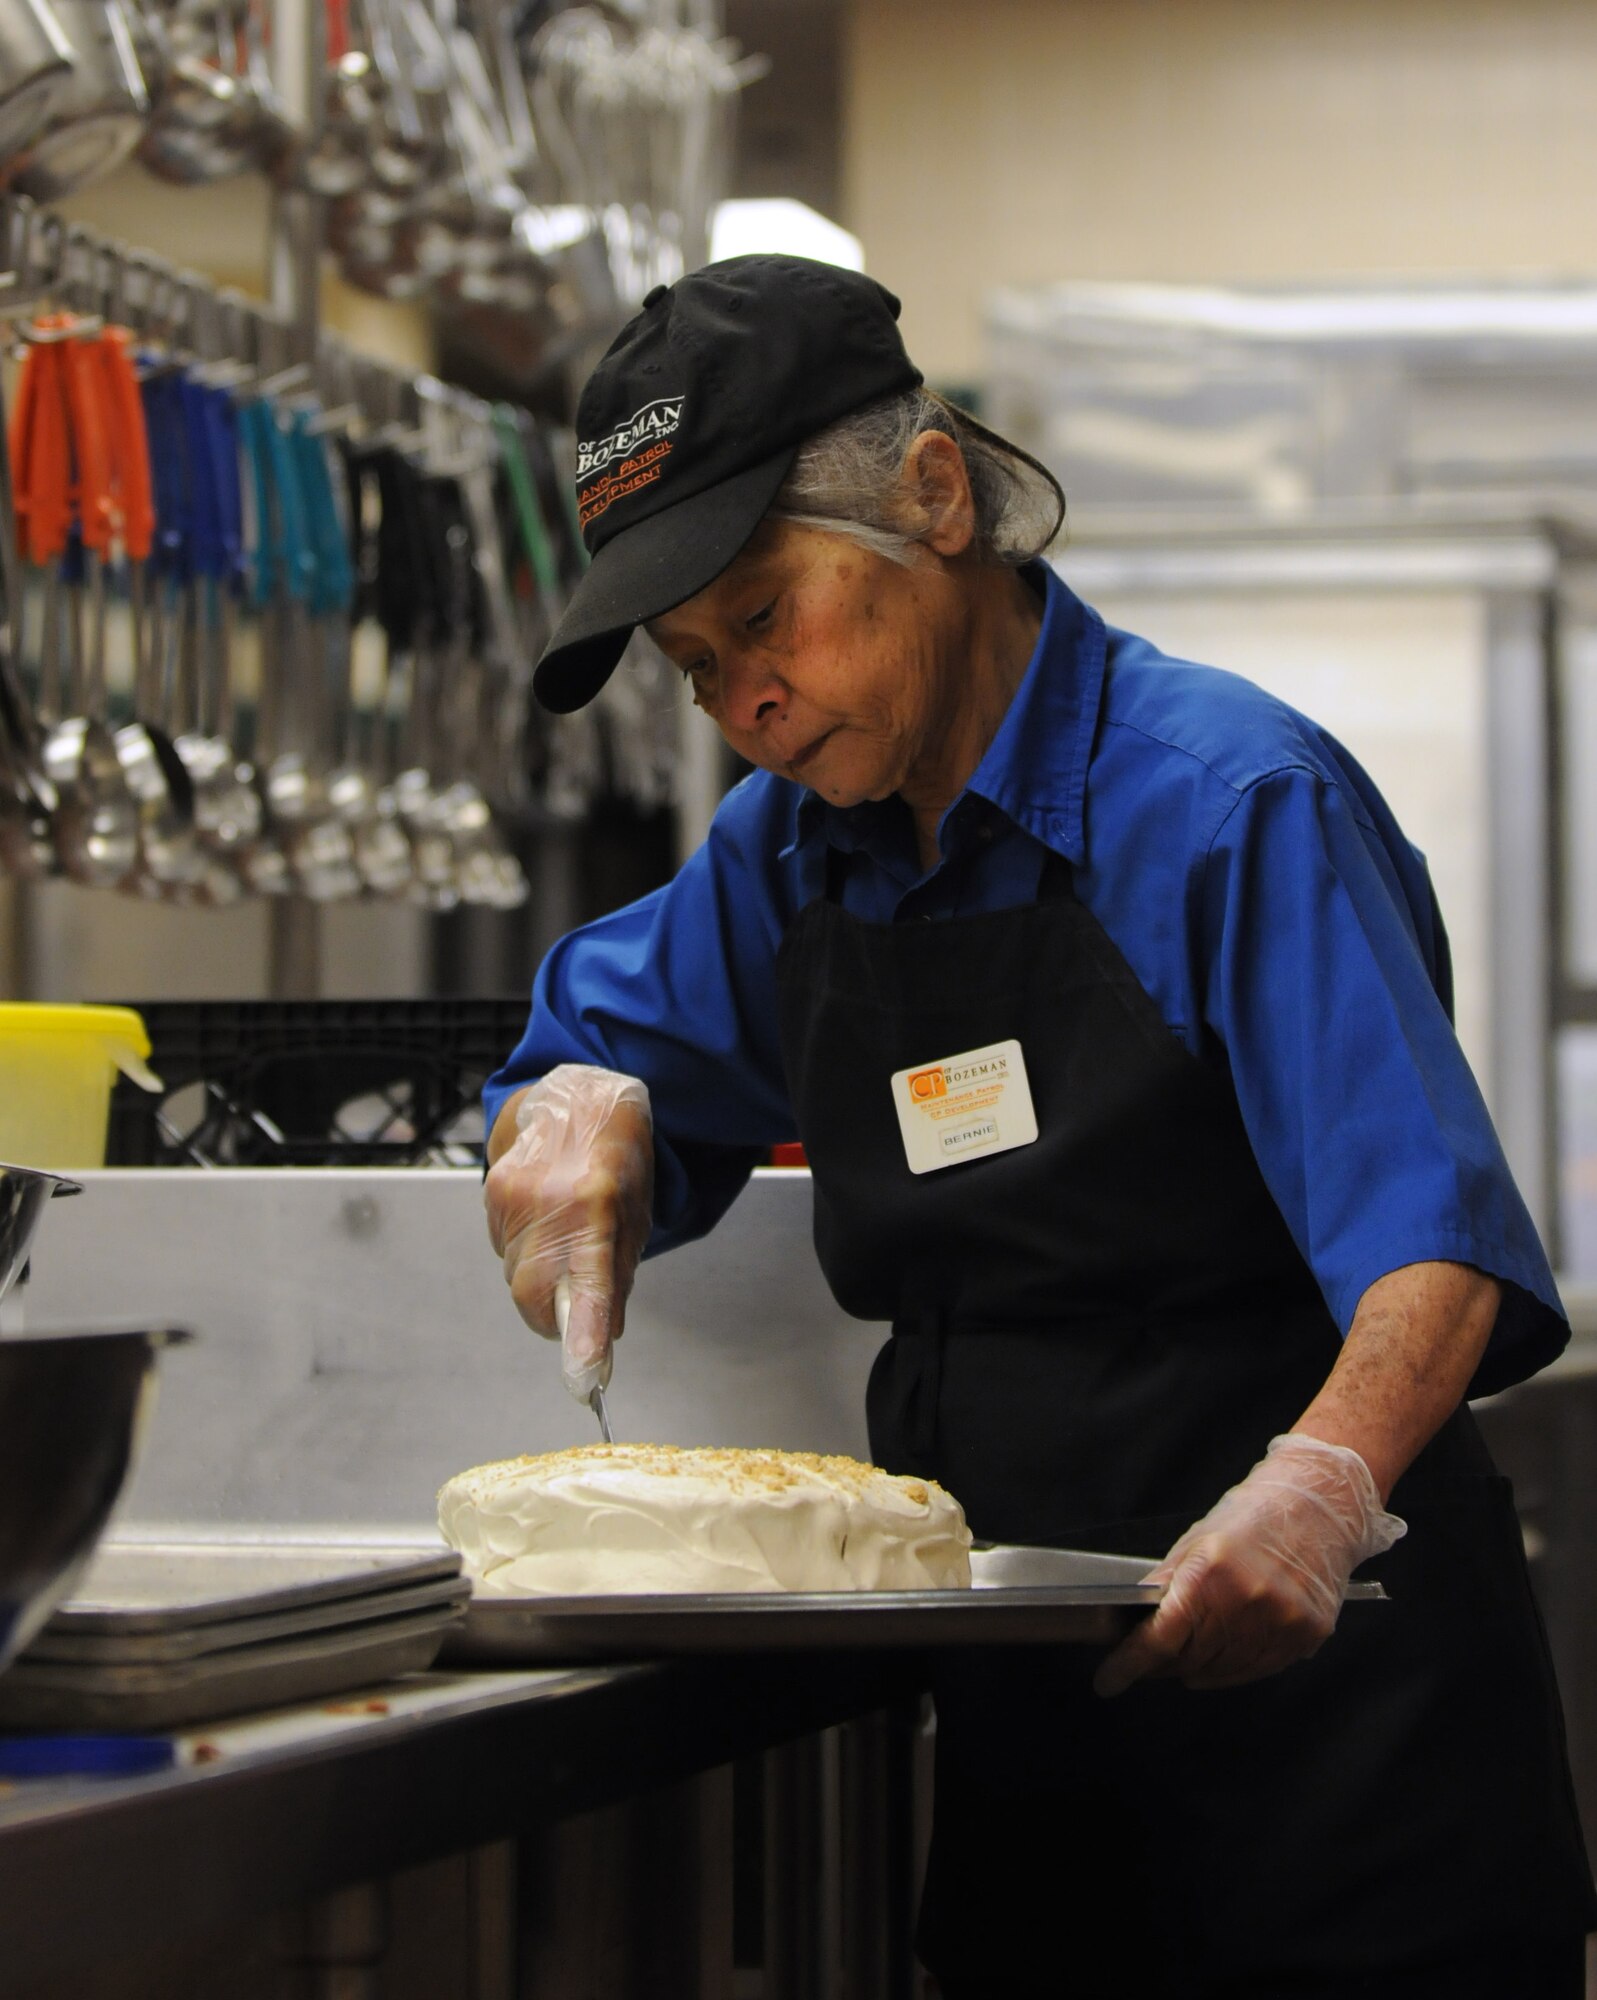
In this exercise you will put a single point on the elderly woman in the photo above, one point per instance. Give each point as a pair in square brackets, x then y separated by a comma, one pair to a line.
[1227, 1196]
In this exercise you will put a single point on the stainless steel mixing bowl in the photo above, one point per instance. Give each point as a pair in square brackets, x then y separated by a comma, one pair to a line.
[69, 1425]
[24, 1194]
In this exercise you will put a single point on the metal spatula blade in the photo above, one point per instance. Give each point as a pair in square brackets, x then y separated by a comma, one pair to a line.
[596, 1401]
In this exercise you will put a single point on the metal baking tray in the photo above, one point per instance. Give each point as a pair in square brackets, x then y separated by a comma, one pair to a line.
[178, 1694]
[1020, 1597]
[165, 1586]
[109, 1645]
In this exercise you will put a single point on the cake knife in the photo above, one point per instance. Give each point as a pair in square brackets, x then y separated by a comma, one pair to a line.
[596, 1401]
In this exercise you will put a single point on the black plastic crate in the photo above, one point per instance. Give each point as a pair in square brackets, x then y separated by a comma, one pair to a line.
[303, 1083]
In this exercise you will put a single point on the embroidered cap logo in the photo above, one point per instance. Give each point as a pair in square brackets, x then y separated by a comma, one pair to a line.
[655, 420]
[641, 444]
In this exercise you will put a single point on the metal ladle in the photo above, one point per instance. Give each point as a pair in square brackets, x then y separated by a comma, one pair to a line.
[195, 98]
[324, 852]
[28, 800]
[321, 846]
[360, 788]
[416, 795]
[493, 875]
[486, 872]
[382, 850]
[314, 840]
[227, 803]
[151, 767]
[404, 150]
[96, 825]
[156, 776]
[406, 594]
[100, 110]
[335, 161]
[315, 837]
[436, 811]
[117, 509]
[261, 861]
[96, 828]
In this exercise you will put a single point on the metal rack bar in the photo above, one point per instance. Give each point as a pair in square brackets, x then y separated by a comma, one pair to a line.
[34, 270]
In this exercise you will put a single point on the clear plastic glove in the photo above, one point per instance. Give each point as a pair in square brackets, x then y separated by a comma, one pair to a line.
[568, 1206]
[1258, 1582]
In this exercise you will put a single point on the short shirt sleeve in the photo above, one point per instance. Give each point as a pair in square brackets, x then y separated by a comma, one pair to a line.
[680, 990]
[1365, 1118]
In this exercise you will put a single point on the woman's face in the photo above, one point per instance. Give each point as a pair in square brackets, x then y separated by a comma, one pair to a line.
[822, 661]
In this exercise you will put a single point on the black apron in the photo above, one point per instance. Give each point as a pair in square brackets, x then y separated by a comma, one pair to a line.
[1093, 1336]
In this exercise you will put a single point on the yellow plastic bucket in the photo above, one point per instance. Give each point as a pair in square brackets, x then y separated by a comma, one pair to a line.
[57, 1065]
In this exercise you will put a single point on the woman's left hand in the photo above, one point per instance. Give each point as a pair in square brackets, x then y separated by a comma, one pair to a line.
[1258, 1582]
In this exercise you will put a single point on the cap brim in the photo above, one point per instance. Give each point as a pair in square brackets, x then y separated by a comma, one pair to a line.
[649, 569]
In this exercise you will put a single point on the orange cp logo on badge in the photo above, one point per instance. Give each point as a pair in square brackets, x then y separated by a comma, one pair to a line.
[928, 1083]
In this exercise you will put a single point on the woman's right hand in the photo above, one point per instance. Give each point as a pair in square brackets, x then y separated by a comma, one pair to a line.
[568, 1199]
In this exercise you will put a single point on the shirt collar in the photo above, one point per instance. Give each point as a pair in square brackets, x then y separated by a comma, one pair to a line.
[1035, 768]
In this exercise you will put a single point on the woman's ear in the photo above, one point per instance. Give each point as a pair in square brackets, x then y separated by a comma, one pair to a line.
[939, 510]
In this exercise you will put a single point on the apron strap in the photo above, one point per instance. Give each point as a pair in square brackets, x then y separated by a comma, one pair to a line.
[1057, 883]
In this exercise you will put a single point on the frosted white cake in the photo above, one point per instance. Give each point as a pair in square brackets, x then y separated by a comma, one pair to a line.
[628, 1517]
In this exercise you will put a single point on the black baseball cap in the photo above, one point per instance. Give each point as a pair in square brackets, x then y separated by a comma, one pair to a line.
[689, 425]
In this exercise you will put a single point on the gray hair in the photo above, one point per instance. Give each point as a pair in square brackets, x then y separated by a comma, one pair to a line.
[846, 481]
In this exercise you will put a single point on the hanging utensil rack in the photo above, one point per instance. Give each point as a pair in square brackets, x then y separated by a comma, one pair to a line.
[308, 632]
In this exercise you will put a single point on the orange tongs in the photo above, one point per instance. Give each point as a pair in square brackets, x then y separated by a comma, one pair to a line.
[77, 443]
[41, 449]
[79, 456]
[130, 483]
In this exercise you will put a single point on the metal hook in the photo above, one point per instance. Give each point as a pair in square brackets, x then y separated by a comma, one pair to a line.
[161, 304]
[398, 437]
[108, 266]
[138, 289]
[79, 256]
[44, 250]
[284, 380]
[345, 417]
[201, 305]
[32, 334]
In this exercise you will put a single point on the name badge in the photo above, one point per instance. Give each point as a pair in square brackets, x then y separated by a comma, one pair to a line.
[964, 1107]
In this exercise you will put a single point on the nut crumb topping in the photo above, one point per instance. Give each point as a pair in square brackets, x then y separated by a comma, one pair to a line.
[742, 1468]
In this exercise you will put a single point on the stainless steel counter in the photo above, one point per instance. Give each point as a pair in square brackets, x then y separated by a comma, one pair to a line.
[356, 1346]
[291, 1806]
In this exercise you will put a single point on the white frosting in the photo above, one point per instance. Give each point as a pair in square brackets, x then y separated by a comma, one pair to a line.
[621, 1518]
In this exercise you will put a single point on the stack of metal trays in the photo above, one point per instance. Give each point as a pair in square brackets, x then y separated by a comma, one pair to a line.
[162, 1635]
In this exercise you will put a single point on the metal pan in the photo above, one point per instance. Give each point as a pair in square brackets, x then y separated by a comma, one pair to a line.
[55, 1647]
[1020, 1597]
[1013, 1565]
[182, 1693]
[150, 1587]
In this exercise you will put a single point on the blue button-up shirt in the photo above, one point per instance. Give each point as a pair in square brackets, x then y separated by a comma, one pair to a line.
[1248, 871]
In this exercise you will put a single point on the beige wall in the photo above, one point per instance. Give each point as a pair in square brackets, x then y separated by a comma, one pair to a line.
[222, 230]
[1016, 141]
